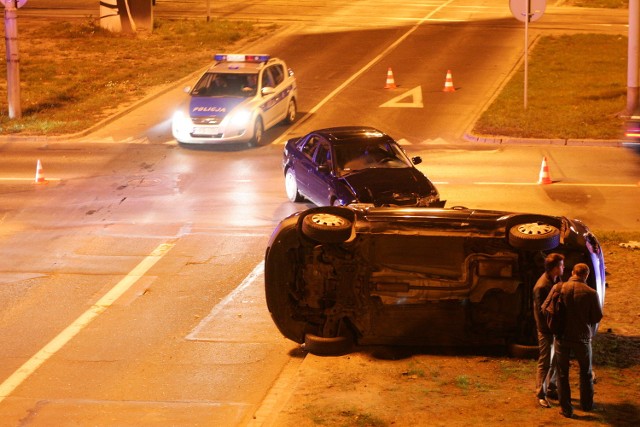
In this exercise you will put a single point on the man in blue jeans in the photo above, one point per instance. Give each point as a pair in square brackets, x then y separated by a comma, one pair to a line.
[546, 370]
[583, 314]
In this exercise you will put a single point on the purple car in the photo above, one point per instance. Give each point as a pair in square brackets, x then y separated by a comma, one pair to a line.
[357, 164]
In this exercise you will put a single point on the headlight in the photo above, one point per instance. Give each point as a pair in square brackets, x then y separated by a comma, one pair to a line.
[181, 120]
[240, 119]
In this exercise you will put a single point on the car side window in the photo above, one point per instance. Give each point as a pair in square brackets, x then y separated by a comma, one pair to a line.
[277, 72]
[267, 78]
[323, 155]
[310, 146]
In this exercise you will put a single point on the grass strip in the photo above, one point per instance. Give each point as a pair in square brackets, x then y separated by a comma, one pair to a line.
[75, 74]
[576, 90]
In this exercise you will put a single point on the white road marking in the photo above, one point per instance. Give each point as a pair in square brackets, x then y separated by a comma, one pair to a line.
[361, 71]
[31, 365]
[555, 184]
[237, 293]
[9, 178]
[416, 99]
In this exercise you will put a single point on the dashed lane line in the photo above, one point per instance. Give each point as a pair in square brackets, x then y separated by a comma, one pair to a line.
[31, 365]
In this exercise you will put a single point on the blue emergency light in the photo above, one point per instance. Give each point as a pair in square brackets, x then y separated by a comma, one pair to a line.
[237, 57]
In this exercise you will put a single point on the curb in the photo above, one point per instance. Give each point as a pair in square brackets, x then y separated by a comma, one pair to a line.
[123, 112]
[507, 140]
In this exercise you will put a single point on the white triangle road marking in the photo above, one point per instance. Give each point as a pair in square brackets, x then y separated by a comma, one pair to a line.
[416, 99]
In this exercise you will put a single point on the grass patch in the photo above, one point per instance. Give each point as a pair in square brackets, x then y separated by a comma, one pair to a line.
[356, 418]
[414, 371]
[605, 4]
[68, 83]
[615, 350]
[518, 369]
[617, 237]
[347, 417]
[576, 89]
[462, 382]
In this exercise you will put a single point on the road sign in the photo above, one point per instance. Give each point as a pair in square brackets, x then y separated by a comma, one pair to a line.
[523, 8]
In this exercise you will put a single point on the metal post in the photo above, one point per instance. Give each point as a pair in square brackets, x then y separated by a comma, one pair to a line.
[526, 51]
[13, 59]
[632, 54]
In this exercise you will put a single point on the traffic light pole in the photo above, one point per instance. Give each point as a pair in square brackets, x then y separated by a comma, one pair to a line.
[632, 54]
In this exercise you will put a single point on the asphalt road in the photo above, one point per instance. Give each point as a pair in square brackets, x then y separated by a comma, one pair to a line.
[130, 283]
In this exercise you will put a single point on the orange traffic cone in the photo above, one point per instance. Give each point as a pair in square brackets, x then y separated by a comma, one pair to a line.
[448, 84]
[39, 174]
[544, 177]
[391, 84]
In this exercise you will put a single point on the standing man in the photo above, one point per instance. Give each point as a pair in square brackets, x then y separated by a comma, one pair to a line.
[583, 314]
[546, 372]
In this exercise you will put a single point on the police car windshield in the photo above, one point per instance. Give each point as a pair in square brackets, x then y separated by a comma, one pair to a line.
[222, 84]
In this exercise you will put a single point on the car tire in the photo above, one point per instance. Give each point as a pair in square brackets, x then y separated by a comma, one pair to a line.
[326, 227]
[534, 236]
[292, 111]
[258, 133]
[522, 351]
[327, 346]
[291, 186]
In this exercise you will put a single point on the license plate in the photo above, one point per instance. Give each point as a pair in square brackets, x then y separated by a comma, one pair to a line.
[208, 130]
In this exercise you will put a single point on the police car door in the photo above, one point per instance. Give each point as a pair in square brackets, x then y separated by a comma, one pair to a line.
[274, 106]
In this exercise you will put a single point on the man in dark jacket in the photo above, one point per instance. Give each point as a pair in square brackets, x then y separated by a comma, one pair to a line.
[546, 371]
[583, 314]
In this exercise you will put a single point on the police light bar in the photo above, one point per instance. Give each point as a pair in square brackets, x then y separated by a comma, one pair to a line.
[236, 57]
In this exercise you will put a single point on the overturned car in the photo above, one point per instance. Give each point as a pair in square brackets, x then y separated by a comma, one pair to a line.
[338, 276]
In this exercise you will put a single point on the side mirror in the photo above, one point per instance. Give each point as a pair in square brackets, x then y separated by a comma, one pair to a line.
[323, 168]
[267, 91]
[416, 160]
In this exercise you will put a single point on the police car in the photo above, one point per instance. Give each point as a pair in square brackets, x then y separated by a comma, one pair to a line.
[236, 100]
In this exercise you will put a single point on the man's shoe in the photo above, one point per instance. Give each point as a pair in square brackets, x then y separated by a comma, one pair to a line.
[544, 403]
[566, 414]
[552, 394]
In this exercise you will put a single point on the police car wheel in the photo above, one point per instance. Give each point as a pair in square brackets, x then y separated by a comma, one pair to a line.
[292, 111]
[258, 131]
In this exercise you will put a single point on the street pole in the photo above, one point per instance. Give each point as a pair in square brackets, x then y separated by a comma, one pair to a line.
[526, 51]
[632, 55]
[13, 58]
